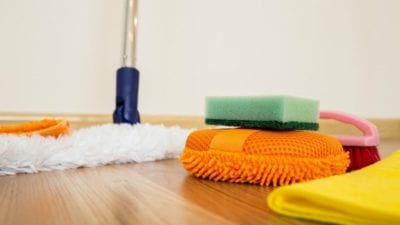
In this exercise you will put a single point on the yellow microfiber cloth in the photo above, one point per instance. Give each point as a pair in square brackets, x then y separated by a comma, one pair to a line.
[367, 196]
[262, 157]
[45, 127]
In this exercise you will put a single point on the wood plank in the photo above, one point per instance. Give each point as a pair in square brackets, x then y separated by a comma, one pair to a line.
[240, 203]
[104, 195]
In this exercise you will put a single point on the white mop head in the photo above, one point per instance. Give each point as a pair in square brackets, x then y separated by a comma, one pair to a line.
[89, 147]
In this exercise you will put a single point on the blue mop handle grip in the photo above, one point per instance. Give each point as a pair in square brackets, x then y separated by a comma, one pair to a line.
[126, 110]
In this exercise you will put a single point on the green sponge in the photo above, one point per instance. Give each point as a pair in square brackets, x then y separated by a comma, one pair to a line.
[279, 112]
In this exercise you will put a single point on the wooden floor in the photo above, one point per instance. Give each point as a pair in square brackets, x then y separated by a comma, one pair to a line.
[147, 193]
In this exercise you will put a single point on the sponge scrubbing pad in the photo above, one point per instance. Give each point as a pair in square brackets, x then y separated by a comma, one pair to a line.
[272, 112]
[262, 157]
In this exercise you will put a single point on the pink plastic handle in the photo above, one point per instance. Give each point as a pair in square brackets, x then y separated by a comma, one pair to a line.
[369, 130]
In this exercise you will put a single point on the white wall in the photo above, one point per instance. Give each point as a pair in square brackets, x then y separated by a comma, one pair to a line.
[61, 56]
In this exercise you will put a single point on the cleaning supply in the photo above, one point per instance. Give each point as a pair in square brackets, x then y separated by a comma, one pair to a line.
[363, 149]
[367, 196]
[45, 127]
[89, 147]
[127, 76]
[279, 112]
[262, 157]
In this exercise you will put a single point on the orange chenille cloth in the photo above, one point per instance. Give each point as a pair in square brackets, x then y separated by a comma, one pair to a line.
[45, 127]
[262, 157]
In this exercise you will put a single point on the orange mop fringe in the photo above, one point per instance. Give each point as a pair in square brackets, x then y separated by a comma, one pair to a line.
[262, 157]
[45, 127]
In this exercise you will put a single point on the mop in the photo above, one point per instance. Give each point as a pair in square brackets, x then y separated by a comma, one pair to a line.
[128, 76]
[89, 147]
[43, 146]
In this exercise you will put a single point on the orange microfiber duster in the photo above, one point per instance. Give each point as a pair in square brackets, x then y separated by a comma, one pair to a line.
[45, 127]
[262, 157]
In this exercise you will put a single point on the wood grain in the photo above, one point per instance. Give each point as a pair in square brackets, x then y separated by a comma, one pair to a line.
[147, 193]
[106, 195]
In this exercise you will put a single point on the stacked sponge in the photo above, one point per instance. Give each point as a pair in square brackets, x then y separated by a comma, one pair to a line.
[266, 112]
[267, 146]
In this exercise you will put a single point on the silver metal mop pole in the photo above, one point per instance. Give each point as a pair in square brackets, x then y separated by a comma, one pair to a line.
[128, 76]
[130, 29]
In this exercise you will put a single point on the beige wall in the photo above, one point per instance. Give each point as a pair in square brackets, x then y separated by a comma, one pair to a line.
[61, 56]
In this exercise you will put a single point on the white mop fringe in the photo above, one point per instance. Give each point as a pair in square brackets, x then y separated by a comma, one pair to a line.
[89, 147]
